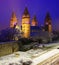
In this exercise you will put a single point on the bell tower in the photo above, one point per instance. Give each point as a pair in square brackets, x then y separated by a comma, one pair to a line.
[13, 20]
[34, 21]
[47, 23]
[26, 23]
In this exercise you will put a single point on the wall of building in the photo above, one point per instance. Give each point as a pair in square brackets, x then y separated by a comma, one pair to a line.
[8, 48]
[26, 27]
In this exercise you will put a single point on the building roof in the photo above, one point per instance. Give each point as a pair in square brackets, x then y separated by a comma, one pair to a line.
[34, 27]
[34, 30]
[40, 35]
[13, 15]
[34, 18]
[26, 11]
[48, 18]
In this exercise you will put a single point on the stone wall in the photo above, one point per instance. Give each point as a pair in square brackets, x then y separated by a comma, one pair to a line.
[8, 48]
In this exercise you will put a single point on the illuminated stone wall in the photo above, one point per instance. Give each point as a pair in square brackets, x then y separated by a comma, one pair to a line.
[50, 28]
[26, 23]
[8, 48]
[26, 27]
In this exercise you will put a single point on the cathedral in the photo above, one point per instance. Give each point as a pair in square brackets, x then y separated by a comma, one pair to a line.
[31, 28]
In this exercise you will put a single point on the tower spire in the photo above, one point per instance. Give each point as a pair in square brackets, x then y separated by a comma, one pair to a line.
[34, 21]
[26, 11]
[13, 20]
[26, 23]
[13, 14]
[47, 23]
[47, 18]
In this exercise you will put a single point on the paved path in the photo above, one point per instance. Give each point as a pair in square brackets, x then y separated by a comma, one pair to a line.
[51, 61]
[45, 56]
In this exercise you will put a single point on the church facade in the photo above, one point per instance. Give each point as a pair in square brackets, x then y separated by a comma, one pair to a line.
[31, 28]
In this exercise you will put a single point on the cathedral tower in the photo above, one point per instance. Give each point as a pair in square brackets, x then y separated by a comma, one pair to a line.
[34, 21]
[47, 23]
[26, 23]
[13, 20]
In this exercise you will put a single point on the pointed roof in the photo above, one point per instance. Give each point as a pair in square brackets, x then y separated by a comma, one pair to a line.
[26, 11]
[34, 21]
[13, 14]
[34, 18]
[47, 16]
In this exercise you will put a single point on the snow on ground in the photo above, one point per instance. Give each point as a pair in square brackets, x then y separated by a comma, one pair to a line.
[16, 57]
[33, 52]
[26, 56]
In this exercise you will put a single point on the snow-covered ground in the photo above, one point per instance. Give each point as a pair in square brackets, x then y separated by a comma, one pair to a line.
[14, 58]
[39, 56]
